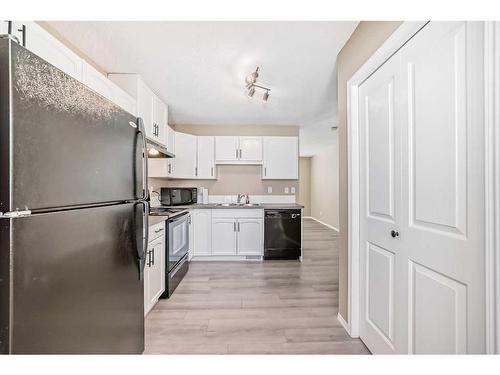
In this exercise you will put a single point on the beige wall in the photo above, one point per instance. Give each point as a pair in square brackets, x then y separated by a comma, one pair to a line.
[365, 40]
[325, 186]
[235, 179]
[304, 197]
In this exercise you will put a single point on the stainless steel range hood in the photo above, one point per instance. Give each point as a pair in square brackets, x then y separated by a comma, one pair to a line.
[155, 150]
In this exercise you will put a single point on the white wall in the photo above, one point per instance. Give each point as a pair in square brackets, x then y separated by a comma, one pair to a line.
[325, 185]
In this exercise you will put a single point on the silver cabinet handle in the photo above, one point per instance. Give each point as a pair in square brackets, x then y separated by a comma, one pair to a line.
[234, 226]
[238, 226]
[212, 171]
[196, 171]
[158, 230]
[169, 168]
[265, 171]
[236, 153]
[240, 153]
[23, 32]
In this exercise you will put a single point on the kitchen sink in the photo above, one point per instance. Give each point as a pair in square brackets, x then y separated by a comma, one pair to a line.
[238, 204]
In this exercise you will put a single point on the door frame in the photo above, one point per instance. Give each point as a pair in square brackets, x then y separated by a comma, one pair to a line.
[492, 174]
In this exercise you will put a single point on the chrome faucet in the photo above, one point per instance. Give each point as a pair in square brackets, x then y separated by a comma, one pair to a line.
[240, 196]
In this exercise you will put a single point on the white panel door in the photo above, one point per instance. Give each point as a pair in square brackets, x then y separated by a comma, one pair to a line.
[443, 188]
[185, 155]
[250, 149]
[226, 148]
[206, 158]
[250, 237]
[224, 236]
[280, 158]
[422, 177]
[202, 232]
[380, 162]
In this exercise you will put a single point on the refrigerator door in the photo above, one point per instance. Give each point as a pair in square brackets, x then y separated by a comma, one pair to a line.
[68, 145]
[75, 285]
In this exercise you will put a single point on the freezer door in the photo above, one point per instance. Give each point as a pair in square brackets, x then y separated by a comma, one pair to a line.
[69, 145]
[76, 284]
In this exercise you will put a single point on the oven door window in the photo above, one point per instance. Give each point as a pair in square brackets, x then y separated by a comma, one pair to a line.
[178, 241]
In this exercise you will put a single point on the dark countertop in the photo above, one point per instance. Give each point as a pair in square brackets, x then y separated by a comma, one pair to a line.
[154, 219]
[261, 206]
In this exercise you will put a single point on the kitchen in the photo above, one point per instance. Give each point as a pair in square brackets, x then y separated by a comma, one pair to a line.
[203, 197]
[231, 187]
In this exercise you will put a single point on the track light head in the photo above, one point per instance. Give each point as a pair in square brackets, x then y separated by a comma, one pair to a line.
[251, 91]
[252, 78]
[265, 97]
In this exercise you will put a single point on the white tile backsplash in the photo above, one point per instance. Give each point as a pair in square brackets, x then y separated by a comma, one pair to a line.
[253, 199]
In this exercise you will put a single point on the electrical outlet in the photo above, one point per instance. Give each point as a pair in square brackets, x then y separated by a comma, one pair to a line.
[286, 190]
[269, 190]
[292, 190]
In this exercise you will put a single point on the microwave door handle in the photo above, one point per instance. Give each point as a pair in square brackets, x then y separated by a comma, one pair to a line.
[142, 131]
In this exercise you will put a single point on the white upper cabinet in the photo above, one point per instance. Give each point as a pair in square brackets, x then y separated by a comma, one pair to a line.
[185, 155]
[50, 49]
[238, 150]
[145, 106]
[108, 89]
[160, 121]
[206, 158]
[281, 158]
[170, 139]
[226, 149]
[150, 108]
[250, 149]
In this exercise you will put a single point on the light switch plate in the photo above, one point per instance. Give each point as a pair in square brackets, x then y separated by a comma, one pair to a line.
[292, 190]
[269, 190]
[286, 190]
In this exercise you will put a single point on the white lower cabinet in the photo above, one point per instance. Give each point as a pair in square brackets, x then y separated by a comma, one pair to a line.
[249, 236]
[154, 270]
[224, 236]
[229, 232]
[202, 232]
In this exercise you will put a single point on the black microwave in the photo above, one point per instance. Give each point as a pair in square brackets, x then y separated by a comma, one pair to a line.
[178, 196]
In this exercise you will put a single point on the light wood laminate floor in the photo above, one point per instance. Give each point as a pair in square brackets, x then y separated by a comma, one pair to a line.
[272, 307]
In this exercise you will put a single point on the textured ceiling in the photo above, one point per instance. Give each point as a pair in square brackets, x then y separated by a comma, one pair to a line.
[199, 68]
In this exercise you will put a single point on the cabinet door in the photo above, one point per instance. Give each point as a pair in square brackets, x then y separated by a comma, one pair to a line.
[124, 100]
[281, 158]
[202, 232]
[145, 99]
[97, 81]
[170, 138]
[250, 237]
[206, 158]
[185, 156]
[48, 48]
[159, 121]
[224, 236]
[156, 270]
[250, 149]
[226, 149]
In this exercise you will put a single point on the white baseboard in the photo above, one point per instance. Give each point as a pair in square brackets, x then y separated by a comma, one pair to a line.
[325, 224]
[344, 324]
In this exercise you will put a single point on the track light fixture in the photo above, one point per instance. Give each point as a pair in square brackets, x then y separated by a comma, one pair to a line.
[251, 85]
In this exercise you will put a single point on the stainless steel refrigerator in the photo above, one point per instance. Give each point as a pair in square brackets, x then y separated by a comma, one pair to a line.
[73, 214]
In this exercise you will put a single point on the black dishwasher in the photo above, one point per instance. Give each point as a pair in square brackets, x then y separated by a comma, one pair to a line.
[282, 234]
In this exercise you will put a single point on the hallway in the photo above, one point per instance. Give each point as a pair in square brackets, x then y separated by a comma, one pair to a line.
[275, 307]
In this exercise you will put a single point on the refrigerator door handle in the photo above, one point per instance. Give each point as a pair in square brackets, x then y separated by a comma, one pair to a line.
[142, 131]
[145, 240]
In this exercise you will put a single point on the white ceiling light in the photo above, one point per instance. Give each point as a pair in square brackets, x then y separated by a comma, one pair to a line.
[251, 85]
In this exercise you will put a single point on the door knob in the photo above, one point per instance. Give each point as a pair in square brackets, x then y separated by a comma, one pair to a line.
[394, 234]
